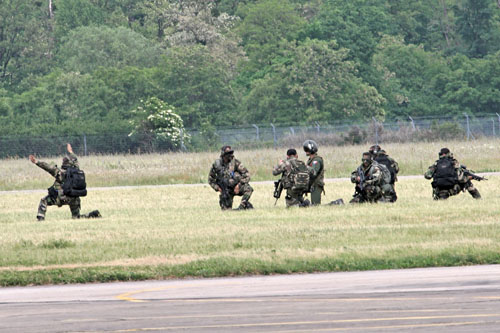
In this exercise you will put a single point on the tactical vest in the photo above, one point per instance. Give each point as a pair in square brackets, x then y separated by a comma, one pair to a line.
[384, 160]
[445, 176]
[386, 174]
[299, 176]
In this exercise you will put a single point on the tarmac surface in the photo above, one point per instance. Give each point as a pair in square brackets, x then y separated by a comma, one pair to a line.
[453, 299]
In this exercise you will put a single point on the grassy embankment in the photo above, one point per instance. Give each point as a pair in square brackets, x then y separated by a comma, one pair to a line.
[179, 231]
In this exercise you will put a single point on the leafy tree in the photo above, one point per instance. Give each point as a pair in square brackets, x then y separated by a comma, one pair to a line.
[264, 25]
[474, 23]
[24, 45]
[406, 73]
[198, 85]
[71, 14]
[158, 126]
[86, 48]
[317, 84]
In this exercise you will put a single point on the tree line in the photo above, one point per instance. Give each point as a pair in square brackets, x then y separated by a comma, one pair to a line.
[69, 67]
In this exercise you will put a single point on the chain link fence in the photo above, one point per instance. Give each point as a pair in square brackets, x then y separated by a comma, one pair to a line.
[265, 135]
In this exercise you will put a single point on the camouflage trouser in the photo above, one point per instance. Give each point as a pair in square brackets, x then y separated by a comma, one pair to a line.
[443, 193]
[294, 198]
[245, 193]
[316, 192]
[370, 193]
[74, 205]
[468, 186]
[389, 193]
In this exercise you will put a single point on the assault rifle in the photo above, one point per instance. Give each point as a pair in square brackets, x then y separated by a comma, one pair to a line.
[470, 173]
[278, 188]
[362, 178]
[224, 186]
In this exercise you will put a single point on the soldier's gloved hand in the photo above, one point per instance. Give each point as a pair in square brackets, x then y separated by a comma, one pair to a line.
[32, 159]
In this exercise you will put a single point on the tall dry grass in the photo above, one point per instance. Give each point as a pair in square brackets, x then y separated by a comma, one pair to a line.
[177, 168]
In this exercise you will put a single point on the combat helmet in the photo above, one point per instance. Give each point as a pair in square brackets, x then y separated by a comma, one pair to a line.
[310, 146]
[375, 149]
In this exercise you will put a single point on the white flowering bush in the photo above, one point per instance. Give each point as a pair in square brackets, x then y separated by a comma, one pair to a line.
[157, 126]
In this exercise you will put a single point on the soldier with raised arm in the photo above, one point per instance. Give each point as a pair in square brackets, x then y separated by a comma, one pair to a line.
[56, 194]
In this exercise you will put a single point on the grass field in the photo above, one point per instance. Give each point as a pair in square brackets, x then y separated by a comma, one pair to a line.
[178, 231]
[192, 168]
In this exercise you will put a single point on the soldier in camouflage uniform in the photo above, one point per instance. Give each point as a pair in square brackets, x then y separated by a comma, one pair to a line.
[316, 171]
[371, 181]
[380, 156]
[56, 195]
[229, 177]
[450, 181]
[293, 197]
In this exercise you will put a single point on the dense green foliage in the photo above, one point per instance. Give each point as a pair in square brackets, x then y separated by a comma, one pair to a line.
[82, 66]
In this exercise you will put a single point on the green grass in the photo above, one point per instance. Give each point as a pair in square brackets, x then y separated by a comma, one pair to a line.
[180, 168]
[180, 231]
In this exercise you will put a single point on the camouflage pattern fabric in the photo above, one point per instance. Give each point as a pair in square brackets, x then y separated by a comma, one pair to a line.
[374, 189]
[464, 184]
[284, 168]
[390, 190]
[233, 173]
[58, 198]
[317, 173]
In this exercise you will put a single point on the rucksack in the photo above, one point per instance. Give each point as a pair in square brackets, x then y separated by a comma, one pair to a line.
[74, 184]
[299, 176]
[384, 160]
[386, 174]
[445, 176]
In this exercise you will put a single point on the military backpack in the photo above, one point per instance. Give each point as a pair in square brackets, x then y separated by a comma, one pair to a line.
[445, 176]
[299, 176]
[386, 174]
[74, 184]
[384, 160]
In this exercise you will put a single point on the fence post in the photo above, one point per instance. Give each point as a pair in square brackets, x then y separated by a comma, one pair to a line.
[498, 115]
[274, 136]
[376, 130]
[317, 127]
[84, 145]
[493, 124]
[183, 147]
[257, 131]
[292, 131]
[412, 123]
[469, 133]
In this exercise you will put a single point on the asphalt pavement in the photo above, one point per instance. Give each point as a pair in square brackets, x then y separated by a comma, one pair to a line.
[455, 299]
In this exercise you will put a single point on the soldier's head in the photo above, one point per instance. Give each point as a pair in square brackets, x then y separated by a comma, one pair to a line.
[66, 162]
[310, 147]
[227, 153]
[444, 152]
[366, 159]
[291, 153]
[374, 150]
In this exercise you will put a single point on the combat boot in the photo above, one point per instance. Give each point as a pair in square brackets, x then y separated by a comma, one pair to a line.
[475, 194]
[40, 218]
[94, 214]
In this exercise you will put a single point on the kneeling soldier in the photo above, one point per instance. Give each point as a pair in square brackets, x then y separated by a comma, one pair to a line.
[371, 179]
[295, 179]
[58, 194]
[229, 177]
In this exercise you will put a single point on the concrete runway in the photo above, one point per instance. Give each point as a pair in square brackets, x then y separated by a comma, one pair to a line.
[456, 299]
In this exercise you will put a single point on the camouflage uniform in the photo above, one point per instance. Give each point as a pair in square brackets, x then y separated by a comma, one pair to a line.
[232, 173]
[293, 198]
[373, 185]
[464, 183]
[390, 192]
[317, 173]
[56, 195]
